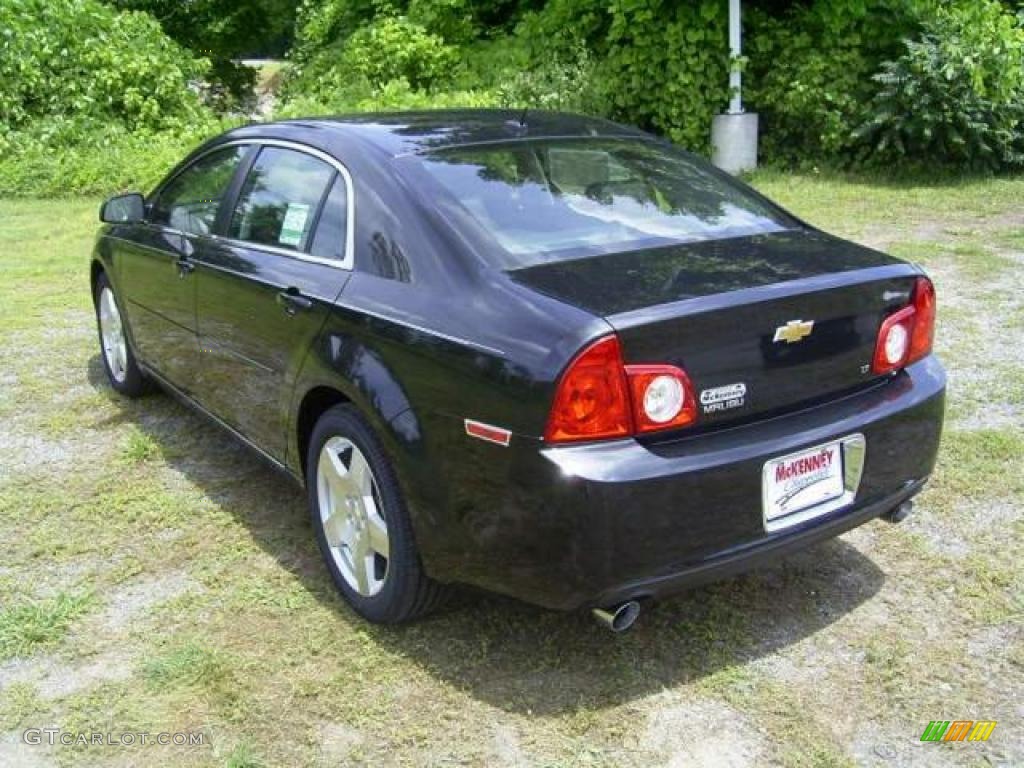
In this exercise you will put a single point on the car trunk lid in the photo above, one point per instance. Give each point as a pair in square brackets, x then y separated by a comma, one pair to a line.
[761, 324]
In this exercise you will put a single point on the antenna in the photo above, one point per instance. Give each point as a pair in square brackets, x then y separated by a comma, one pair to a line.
[522, 117]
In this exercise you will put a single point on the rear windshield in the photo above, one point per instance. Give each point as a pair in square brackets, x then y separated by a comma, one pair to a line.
[553, 200]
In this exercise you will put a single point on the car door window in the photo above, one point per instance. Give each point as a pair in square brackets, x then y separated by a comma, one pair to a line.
[190, 201]
[329, 239]
[280, 198]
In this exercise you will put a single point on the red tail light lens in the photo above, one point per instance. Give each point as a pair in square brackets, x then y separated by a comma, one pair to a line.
[662, 397]
[906, 336]
[924, 322]
[592, 399]
[599, 397]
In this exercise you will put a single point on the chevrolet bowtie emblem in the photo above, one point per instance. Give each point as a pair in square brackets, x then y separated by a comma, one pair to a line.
[794, 331]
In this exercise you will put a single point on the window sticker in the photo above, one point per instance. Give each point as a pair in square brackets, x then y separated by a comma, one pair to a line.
[294, 224]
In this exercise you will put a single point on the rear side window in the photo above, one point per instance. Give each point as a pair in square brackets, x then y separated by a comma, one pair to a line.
[190, 201]
[329, 240]
[553, 200]
[280, 198]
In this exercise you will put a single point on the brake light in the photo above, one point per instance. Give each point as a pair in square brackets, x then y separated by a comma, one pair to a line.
[599, 397]
[592, 399]
[906, 336]
[924, 324]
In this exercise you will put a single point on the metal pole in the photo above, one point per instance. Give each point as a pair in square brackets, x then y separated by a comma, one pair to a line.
[735, 51]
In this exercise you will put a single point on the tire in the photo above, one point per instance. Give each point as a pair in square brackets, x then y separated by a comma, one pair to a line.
[353, 492]
[119, 361]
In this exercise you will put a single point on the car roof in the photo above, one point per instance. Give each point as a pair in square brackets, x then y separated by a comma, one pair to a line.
[398, 133]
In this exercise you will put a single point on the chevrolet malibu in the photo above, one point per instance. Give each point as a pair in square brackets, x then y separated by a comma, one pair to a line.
[541, 354]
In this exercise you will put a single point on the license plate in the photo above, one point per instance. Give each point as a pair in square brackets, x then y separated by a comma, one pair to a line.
[801, 481]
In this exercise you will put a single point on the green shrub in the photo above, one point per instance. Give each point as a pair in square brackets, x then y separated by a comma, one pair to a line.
[101, 160]
[956, 95]
[352, 69]
[394, 96]
[92, 99]
[563, 82]
[809, 73]
[321, 24]
[452, 20]
[667, 66]
[396, 48]
[224, 31]
[80, 60]
[654, 63]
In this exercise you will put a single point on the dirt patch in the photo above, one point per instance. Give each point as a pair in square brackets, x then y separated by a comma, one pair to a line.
[55, 678]
[337, 741]
[506, 748]
[701, 733]
[130, 601]
[15, 753]
[27, 453]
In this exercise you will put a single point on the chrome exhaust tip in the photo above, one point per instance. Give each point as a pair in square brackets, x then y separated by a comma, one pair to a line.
[901, 513]
[618, 618]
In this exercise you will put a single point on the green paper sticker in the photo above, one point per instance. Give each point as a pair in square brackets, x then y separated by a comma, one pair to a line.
[294, 224]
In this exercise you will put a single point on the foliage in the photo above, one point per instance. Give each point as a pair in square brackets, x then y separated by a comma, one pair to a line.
[100, 160]
[666, 66]
[321, 24]
[394, 47]
[956, 94]
[391, 59]
[70, 63]
[393, 96]
[655, 63]
[454, 21]
[563, 82]
[809, 72]
[92, 98]
[222, 31]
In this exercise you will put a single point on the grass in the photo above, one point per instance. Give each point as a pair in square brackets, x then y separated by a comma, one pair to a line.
[157, 577]
[26, 627]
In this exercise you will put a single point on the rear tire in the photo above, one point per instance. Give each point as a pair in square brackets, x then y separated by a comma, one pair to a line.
[119, 361]
[362, 524]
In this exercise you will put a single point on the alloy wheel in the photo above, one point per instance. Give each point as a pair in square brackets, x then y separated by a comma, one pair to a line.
[115, 348]
[351, 516]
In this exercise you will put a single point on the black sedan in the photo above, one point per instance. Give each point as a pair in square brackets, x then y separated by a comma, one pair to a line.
[542, 354]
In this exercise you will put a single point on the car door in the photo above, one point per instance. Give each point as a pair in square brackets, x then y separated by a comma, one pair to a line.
[266, 286]
[155, 269]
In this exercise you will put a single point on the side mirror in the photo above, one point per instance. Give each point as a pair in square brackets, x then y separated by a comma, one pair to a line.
[123, 209]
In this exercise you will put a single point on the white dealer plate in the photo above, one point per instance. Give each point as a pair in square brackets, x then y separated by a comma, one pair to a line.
[803, 481]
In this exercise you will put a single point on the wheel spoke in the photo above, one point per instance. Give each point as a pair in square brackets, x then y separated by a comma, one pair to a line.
[359, 474]
[377, 533]
[334, 472]
[361, 563]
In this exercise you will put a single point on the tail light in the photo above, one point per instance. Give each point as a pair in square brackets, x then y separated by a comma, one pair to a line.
[906, 336]
[662, 397]
[592, 400]
[924, 324]
[599, 397]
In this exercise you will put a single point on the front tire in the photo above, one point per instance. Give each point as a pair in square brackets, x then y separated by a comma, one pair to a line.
[362, 524]
[119, 361]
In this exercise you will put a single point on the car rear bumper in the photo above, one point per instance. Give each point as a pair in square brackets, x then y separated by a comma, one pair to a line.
[595, 524]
